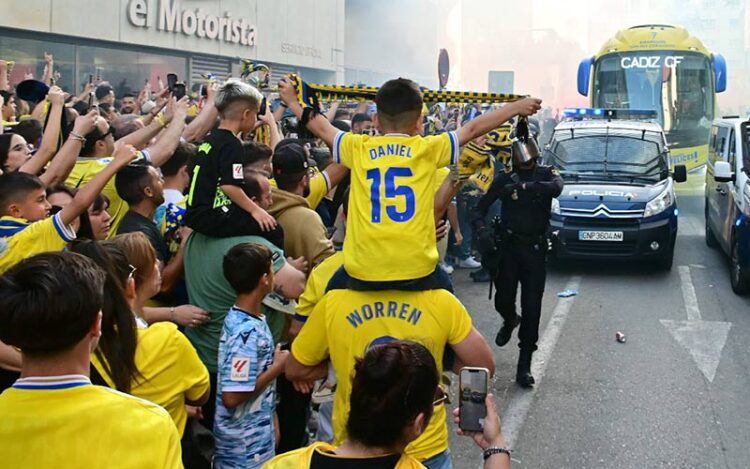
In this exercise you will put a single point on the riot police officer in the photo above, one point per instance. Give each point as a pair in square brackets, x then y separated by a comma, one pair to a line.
[520, 240]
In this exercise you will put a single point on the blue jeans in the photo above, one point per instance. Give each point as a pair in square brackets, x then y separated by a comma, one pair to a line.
[466, 200]
[325, 427]
[439, 461]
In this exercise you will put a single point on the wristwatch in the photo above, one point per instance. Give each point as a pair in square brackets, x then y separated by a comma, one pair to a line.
[495, 450]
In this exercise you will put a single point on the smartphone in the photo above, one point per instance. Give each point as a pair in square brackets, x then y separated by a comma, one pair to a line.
[263, 107]
[473, 389]
[171, 81]
[178, 91]
[91, 94]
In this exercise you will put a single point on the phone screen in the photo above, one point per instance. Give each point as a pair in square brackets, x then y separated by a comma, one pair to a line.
[178, 91]
[473, 391]
[171, 80]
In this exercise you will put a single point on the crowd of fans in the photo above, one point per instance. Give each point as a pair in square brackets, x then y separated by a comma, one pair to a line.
[196, 256]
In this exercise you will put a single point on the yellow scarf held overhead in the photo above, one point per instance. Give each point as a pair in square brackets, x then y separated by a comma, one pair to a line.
[310, 93]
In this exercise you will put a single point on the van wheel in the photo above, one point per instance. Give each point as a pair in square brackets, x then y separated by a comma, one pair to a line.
[740, 274]
[710, 238]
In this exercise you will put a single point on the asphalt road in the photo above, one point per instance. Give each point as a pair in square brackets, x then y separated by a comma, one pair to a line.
[676, 394]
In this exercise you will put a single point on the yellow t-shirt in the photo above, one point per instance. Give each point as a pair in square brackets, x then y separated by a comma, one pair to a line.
[301, 458]
[390, 231]
[441, 174]
[315, 288]
[319, 187]
[345, 323]
[171, 370]
[42, 236]
[65, 422]
[85, 169]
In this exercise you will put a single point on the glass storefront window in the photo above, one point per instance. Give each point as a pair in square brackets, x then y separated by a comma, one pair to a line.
[124, 69]
[28, 54]
[127, 71]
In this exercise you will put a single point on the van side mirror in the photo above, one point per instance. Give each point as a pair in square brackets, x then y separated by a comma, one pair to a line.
[680, 173]
[723, 172]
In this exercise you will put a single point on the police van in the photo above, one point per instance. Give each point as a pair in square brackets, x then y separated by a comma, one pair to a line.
[728, 196]
[619, 200]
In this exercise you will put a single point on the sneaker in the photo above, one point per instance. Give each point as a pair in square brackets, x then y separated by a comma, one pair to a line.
[469, 263]
[447, 268]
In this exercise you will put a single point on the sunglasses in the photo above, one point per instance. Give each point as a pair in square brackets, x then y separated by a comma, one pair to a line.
[440, 396]
[109, 132]
[132, 271]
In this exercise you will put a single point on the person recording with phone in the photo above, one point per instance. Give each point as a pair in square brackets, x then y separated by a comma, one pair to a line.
[516, 249]
[490, 439]
[395, 391]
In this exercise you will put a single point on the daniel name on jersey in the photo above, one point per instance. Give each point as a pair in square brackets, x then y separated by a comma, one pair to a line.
[390, 150]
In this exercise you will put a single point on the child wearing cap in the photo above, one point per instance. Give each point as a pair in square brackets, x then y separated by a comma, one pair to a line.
[305, 234]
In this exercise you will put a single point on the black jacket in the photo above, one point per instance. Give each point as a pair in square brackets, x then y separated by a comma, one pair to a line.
[526, 197]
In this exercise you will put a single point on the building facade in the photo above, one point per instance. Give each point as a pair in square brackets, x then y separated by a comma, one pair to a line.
[129, 41]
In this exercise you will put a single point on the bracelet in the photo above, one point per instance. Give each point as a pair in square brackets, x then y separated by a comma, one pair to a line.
[495, 450]
[77, 136]
[171, 313]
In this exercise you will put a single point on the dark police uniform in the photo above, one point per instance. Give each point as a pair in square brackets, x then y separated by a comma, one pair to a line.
[526, 196]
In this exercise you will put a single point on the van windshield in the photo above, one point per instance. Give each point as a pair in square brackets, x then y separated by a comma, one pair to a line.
[610, 155]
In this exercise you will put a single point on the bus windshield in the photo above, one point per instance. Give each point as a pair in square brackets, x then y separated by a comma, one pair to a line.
[676, 84]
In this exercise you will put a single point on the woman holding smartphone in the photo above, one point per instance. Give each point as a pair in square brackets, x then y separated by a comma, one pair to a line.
[394, 393]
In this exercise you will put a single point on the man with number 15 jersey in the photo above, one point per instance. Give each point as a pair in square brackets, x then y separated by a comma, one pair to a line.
[391, 227]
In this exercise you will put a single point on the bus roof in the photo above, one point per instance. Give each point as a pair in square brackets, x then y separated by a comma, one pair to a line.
[653, 37]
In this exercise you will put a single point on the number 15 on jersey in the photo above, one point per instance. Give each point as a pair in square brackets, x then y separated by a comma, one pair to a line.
[393, 194]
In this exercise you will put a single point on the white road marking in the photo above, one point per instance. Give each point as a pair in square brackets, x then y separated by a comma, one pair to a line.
[704, 340]
[520, 401]
[688, 294]
[691, 226]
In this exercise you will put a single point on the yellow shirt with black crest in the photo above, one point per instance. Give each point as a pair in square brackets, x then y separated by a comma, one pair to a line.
[346, 323]
[170, 370]
[390, 232]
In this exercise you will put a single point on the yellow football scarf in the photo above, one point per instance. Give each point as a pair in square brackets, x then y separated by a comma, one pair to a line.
[310, 94]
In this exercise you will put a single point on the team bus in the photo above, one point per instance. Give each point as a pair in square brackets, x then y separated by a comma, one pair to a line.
[665, 69]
